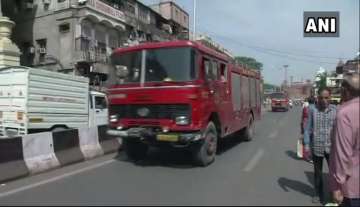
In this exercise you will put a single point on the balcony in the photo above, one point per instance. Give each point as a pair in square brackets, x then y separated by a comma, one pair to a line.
[105, 8]
[89, 51]
[90, 56]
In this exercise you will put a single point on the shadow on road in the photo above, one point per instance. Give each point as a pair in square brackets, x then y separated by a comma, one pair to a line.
[310, 177]
[163, 158]
[286, 184]
[228, 143]
[177, 158]
[292, 154]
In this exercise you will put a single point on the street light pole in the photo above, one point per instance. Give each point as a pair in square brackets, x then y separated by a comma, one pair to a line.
[285, 68]
[194, 19]
[286, 74]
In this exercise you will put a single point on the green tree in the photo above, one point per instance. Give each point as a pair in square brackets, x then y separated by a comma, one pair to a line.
[268, 86]
[322, 82]
[249, 62]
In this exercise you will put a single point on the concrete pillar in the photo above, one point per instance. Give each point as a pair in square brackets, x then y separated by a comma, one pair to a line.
[9, 52]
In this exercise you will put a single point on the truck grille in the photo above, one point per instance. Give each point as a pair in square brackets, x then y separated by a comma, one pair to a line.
[163, 111]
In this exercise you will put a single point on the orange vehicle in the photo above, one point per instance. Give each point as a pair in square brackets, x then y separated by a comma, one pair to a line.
[279, 100]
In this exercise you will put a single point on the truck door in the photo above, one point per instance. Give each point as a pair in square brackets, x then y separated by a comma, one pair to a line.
[211, 77]
[101, 110]
[216, 77]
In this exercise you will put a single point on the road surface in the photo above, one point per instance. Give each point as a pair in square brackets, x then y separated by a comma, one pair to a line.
[264, 171]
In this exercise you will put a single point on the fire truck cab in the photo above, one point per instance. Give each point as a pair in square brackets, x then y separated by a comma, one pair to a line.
[180, 94]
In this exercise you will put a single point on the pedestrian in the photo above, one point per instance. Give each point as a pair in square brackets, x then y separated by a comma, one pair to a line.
[319, 125]
[308, 105]
[345, 153]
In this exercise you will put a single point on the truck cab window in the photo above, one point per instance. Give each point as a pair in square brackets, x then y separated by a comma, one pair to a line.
[208, 69]
[223, 72]
[215, 70]
[100, 102]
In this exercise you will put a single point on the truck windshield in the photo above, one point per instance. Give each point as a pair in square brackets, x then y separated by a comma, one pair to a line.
[161, 65]
[278, 95]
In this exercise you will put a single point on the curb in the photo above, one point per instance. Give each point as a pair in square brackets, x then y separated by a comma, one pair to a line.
[40, 152]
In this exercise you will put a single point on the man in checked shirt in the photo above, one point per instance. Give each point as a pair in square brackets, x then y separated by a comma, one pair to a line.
[319, 129]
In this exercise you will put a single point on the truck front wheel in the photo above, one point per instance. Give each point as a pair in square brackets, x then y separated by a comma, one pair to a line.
[250, 129]
[205, 153]
[135, 150]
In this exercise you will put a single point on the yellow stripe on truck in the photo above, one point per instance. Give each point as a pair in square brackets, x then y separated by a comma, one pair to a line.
[36, 120]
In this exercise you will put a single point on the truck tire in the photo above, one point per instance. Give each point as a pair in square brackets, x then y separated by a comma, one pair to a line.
[135, 150]
[206, 152]
[249, 130]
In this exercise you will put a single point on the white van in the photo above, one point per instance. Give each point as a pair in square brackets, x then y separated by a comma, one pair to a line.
[34, 100]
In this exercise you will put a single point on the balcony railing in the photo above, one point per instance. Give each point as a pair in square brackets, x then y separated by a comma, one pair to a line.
[107, 9]
[91, 57]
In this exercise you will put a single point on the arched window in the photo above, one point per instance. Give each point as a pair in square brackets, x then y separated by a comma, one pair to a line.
[86, 35]
[100, 43]
[86, 28]
[114, 39]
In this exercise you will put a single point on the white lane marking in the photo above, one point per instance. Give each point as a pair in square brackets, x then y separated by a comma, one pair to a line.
[24, 188]
[254, 161]
[274, 134]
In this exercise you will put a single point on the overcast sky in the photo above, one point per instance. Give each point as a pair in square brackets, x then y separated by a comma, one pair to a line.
[272, 32]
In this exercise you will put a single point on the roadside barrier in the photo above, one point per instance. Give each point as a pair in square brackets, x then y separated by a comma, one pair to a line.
[12, 164]
[35, 153]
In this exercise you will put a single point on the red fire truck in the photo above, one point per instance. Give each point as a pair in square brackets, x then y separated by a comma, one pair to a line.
[180, 94]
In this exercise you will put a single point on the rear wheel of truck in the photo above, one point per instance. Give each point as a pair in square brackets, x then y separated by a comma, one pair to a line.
[249, 130]
[135, 150]
[206, 152]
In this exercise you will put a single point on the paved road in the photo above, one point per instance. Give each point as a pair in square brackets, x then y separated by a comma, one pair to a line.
[264, 171]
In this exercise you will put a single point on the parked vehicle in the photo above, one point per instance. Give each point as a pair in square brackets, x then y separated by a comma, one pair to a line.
[35, 100]
[298, 101]
[291, 103]
[180, 94]
[279, 100]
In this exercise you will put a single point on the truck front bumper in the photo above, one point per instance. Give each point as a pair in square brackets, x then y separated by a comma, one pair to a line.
[148, 135]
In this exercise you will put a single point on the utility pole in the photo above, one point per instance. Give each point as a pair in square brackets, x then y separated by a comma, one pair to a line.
[285, 84]
[194, 19]
[286, 74]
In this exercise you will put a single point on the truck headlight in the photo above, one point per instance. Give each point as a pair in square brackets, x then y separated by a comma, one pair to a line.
[114, 118]
[182, 120]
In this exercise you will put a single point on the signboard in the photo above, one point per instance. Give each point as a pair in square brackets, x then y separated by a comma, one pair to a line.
[104, 8]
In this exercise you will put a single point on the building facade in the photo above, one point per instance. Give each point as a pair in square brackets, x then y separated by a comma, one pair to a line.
[78, 36]
[300, 89]
[178, 18]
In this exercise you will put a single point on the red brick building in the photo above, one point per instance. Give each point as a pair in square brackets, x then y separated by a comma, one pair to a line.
[300, 89]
